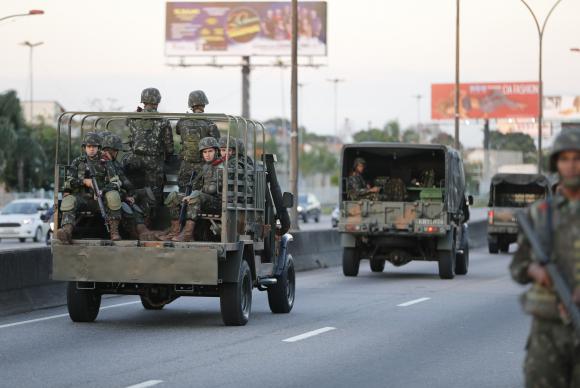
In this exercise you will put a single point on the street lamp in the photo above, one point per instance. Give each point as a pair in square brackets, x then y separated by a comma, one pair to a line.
[457, 86]
[30, 13]
[335, 81]
[31, 46]
[541, 86]
[418, 97]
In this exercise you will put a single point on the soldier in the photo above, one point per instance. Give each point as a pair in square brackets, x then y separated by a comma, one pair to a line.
[132, 214]
[204, 194]
[79, 193]
[553, 348]
[357, 188]
[151, 142]
[191, 132]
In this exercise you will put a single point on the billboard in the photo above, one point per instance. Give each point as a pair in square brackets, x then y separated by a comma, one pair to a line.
[562, 107]
[486, 100]
[243, 28]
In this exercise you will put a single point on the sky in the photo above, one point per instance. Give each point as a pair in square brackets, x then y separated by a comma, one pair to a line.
[386, 52]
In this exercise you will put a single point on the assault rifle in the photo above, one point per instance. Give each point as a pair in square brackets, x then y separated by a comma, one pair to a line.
[98, 193]
[559, 284]
[183, 209]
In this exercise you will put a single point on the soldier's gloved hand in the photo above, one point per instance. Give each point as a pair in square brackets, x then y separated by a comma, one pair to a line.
[115, 183]
[191, 197]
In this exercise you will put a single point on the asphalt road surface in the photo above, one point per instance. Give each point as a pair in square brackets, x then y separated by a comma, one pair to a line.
[14, 244]
[401, 328]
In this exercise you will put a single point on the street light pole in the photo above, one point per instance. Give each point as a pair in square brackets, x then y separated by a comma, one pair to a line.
[456, 99]
[30, 13]
[335, 81]
[294, 152]
[418, 97]
[31, 46]
[540, 80]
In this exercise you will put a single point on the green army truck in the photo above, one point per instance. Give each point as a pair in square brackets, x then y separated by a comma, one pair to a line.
[424, 219]
[245, 246]
[509, 193]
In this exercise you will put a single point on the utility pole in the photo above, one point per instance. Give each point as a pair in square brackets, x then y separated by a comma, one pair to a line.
[418, 97]
[540, 80]
[457, 85]
[294, 118]
[246, 87]
[335, 81]
[31, 46]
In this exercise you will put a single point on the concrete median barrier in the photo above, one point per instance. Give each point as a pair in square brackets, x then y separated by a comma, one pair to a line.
[25, 282]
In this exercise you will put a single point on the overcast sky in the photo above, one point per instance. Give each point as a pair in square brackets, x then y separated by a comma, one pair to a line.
[385, 50]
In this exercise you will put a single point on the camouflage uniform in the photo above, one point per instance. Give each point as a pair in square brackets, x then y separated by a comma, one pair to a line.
[82, 198]
[357, 187]
[151, 142]
[553, 348]
[191, 132]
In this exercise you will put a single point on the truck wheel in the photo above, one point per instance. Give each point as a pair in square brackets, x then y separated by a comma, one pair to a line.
[83, 305]
[151, 304]
[350, 262]
[22, 239]
[447, 261]
[377, 265]
[462, 261]
[504, 247]
[493, 248]
[281, 295]
[236, 298]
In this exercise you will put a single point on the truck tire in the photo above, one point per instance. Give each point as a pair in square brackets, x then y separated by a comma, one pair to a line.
[83, 305]
[151, 304]
[504, 247]
[281, 295]
[462, 261]
[377, 265]
[236, 298]
[493, 248]
[350, 262]
[447, 261]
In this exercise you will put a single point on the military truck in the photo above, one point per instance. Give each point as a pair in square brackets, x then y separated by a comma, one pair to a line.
[508, 193]
[245, 246]
[424, 220]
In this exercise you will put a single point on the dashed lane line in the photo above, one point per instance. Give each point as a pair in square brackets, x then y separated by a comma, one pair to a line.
[412, 302]
[145, 384]
[5, 326]
[309, 334]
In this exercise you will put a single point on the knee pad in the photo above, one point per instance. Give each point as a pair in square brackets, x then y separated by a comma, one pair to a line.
[68, 203]
[172, 199]
[113, 200]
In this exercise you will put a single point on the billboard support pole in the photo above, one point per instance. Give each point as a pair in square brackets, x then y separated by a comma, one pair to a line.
[294, 152]
[540, 80]
[456, 99]
[246, 87]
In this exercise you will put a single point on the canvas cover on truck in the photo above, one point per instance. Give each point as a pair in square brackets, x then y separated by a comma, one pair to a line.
[407, 162]
[511, 187]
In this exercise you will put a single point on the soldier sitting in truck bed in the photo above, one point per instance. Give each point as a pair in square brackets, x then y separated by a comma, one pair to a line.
[357, 187]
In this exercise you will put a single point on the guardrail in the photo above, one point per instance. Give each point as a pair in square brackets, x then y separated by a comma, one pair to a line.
[25, 282]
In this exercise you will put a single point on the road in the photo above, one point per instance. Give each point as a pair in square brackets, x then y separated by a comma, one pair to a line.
[402, 328]
[14, 244]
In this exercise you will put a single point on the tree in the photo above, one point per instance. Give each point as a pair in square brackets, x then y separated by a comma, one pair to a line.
[516, 141]
[390, 133]
[445, 139]
[411, 136]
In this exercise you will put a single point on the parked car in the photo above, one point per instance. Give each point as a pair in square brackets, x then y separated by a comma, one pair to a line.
[335, 216]
[309, 207]
[21, 219]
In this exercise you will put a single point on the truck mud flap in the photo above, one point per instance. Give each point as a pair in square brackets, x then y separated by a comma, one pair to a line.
[136, 265]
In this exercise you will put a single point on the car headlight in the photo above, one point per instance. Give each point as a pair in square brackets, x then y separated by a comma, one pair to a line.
[52, 226]
[27, 221]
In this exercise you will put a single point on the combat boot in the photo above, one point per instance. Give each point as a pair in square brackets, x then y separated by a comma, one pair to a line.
[64, 234]
[144, 234]
[114, 230]
[186, 234]
[173, 231]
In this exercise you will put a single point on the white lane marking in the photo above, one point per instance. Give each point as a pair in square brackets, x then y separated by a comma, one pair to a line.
[412, 302]
[145, 384]
[309, 334]
[59, 316]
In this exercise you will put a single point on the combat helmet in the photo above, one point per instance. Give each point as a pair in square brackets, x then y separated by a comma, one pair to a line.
[358, 161]
[208, 142]
[112, 141]
[568, 140]
[240, 147]
[150, 96]
[223, 142]
[91, 138]
[197, 97]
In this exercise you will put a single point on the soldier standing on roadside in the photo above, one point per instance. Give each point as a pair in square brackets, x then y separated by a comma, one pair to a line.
[553, 348]
[357, 188]
[151, 142]
[79, 193]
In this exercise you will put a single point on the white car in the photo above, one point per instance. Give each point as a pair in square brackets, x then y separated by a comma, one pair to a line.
[21, 219]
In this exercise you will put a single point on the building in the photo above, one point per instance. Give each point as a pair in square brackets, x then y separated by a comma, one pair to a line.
[46, 112]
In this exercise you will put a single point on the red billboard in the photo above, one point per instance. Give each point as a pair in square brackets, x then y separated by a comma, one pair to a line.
[496, 100]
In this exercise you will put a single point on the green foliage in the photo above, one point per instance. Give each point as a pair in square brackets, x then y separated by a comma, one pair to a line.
[411, 136]
[514, 142]
[391, 132]
[318, 160]
[444, 139]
